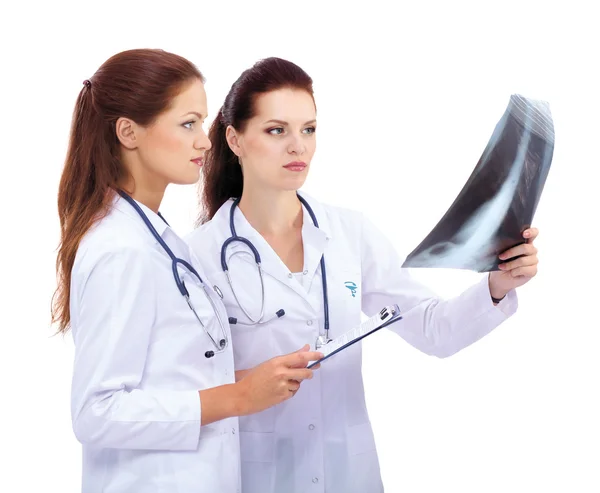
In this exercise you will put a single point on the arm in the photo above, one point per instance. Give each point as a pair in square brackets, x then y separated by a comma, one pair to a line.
[432, 325]
[115, 310]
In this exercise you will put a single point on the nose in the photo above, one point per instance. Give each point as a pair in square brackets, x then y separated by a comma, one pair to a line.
[296, 145]
[202, 141]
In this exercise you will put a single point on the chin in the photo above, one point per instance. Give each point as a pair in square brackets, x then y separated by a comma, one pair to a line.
[292, 185]
[187, 178]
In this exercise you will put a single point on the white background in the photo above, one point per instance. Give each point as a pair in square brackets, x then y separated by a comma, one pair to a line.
[407, 95]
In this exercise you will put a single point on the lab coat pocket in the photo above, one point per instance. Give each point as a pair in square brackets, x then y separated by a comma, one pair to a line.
[360, 439]
[257, 451]
[257, 447]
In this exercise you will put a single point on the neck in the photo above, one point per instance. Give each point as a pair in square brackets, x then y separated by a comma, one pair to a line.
[150, 198]
[271, 212]
[147, 190]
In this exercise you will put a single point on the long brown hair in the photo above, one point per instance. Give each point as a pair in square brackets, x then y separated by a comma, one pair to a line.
[221, 171]
[136, 84]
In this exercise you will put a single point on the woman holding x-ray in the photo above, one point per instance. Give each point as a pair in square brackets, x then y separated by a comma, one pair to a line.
[320, 268]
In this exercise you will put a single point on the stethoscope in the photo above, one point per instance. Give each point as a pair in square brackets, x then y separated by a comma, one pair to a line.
[222, 343]
[322, 339]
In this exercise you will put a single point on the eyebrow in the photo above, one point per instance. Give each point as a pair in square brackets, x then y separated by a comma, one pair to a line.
[281, 122]
[199, 115]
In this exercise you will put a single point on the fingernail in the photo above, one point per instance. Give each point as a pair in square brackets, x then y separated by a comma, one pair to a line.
[526, 234]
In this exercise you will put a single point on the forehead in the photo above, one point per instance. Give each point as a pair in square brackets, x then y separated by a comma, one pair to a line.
[289, 105]
[192, 97]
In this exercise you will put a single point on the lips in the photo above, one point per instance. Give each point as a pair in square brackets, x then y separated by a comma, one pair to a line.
[295, 166]
[199, 161]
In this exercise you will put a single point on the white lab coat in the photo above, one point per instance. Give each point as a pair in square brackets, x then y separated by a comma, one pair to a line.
[140, 362]
[321, 440]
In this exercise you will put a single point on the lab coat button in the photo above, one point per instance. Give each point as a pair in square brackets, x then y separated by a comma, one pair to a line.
[311, 427]
[315, 480]
[290, 275]
[305, 272]
[233, 431]
[309, 322]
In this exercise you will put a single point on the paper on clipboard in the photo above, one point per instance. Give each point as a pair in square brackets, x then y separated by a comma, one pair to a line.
[388, 315]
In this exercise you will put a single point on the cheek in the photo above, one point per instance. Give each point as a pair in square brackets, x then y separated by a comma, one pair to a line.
[263, 147]
[166, 142]
[264, 155]
[311, 147]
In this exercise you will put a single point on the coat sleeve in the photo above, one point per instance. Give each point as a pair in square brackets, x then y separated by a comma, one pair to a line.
[434, 326]
[113, 311]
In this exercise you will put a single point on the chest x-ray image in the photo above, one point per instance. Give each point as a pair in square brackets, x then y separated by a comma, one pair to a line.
[499, 199]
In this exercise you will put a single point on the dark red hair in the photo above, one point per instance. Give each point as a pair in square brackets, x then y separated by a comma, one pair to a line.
[221, 171]
[136, 84]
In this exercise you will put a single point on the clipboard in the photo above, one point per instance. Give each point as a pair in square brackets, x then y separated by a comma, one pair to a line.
[387, 316]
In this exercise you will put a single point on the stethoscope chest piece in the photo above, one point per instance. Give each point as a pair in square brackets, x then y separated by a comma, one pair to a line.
[321, 341]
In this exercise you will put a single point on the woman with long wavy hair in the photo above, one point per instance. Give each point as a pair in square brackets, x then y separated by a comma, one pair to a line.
[154, 398]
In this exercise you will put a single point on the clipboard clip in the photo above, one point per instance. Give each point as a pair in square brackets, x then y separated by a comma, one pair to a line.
[329, 347]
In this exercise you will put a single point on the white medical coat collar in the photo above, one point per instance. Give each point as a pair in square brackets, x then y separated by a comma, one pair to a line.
[314, 239]
[120, 204]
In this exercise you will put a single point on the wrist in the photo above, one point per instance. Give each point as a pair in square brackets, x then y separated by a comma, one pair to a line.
[221, 402]
[239, 401]
[239, 374]
[496, 293]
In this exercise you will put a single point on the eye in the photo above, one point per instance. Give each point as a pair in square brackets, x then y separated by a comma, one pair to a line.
[310, 130]
[189, 125]
[275, 131]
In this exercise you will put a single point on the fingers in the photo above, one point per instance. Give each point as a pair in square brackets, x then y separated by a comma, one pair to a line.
[300, 359]
[527, 271]
[526, 249]
[526, 261]
[293, 386]
[531, 234]
[299, 374]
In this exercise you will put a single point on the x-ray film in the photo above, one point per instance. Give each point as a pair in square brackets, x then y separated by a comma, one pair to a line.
[499, 200]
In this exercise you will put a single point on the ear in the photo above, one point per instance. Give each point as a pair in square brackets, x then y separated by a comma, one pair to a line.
[127, 133]
[233, 139]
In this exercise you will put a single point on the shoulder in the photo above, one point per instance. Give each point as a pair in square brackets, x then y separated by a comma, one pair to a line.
[338, 219]
[205, 245]
[343, 215]
[114, 240]
[351, 230]
[202, 236]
